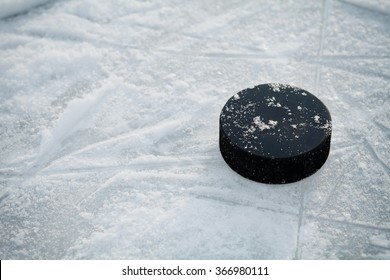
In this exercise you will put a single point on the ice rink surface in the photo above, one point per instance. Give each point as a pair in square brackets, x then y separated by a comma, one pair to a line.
[109, 117]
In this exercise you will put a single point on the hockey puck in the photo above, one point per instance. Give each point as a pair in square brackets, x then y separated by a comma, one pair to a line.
[275, 133]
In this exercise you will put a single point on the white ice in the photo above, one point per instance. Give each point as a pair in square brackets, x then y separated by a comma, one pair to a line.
[109, 117]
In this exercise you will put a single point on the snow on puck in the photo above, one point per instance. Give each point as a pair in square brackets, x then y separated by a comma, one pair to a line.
[275, 133]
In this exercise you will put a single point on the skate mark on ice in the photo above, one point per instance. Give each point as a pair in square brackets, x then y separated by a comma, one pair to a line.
[219, 55]
[337, 148]
[97, 42]
[25, 8]
[211, 27]
[3, 197]
[236, 203]
[370, 10]
[335, 187]
[373, 153]
[147, 135]
[130, 178]
[354, 70]
[324, 17]
[162, 164]
[379, 246]
[380, 241]
[337, 57]
[297, 253]
[383, 128]
[9, 173]
[154, 132]
[134, 11]
[348, 223]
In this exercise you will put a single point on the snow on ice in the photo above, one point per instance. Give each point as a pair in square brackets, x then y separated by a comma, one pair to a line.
[109, 129]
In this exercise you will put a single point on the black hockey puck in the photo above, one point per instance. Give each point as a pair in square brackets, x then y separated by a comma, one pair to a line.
[275, 133]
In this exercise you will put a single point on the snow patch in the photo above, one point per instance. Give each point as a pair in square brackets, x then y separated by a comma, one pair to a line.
[275, 87]
[272, 102]
[73, 118]
[262, 125]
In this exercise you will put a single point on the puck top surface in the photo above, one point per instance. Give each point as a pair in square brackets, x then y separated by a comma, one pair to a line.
[275, 121]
